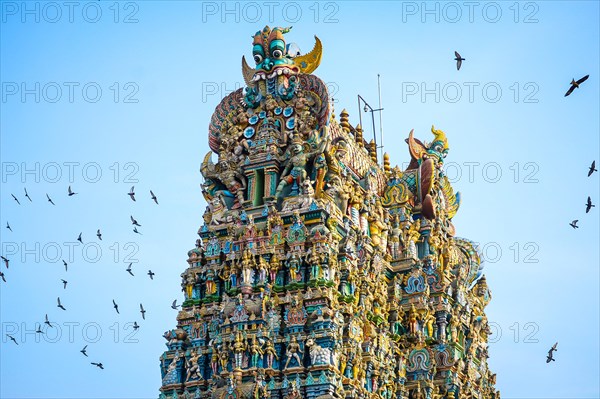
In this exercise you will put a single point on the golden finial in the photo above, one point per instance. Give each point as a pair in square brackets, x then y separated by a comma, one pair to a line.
[373, 151]
[386, 164]
[358, 134]
[344, 121]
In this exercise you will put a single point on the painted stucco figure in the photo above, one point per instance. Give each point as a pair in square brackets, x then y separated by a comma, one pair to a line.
[322, 271]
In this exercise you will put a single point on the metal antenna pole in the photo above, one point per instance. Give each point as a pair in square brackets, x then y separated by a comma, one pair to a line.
[370, 109]
[380, 118]
[360, 113]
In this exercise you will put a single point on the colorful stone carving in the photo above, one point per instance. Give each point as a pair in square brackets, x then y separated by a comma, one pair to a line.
[321, 273]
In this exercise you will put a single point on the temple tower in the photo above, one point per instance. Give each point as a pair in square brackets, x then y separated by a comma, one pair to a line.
[320, 273]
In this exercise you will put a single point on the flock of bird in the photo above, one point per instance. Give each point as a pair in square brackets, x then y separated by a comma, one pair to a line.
[588, 204]
[459, 60]
[60, 305]
[575, 84]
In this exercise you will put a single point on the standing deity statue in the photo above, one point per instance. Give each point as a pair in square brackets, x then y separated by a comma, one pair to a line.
[454, 322]
[273, 267]
[262, 270]
[248, 263]
[256, 353]
[315, 265]
[428, 321]
[239, 348]
[319, 172]
[211, 287]
[214, 361]
[233, 274]
[225, 275]
[295, 170]
[293, 352]
[412, 236]
[224, 358]
[394, 239]
[413, 323]
[189, 282]
[293, 265]
[193, 369]
[271, 353]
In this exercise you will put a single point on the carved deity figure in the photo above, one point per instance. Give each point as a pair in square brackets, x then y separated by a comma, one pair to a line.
[295, 170]
[256, 353]
[248, 263]
[273, 267]
[395, 238]
[294, 268]
[412, 236]
[214, 361]
[235, 183]
[262, 270]
[293, 352]
[239, 348]
[224, 357]
[193, 370]
[271, 353]
[413, 323]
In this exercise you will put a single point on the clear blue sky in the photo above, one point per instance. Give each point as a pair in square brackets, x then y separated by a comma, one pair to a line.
[125, 92]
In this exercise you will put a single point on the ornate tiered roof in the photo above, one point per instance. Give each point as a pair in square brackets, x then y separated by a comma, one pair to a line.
[321, 272]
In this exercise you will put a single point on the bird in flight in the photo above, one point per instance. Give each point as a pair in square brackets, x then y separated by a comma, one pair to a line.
[116, 306]
[142, 311]
[5, 260]
[27, 195]
[60, 304]
[64, 284]
[71, 193]
[575, 85]
[131, 193]
[458, 60]
[134, 222]
[65, 263]
[174, 305]
[39, 329]
[153, 197]
[550, 358]
[15, 198]
[84, 351]
[573, 224]
[589, 205]
[135, 230]
[79, 238]
[99, 365]
[48, 321]
[592, 168]
[12, 338]
[99, 235]
[8, 226]
[50, 199]
[2, 277]
[135, 325]
[129, 269]
[151, 274]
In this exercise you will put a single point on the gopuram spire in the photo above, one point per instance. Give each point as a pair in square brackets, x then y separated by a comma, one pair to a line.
[321, 273]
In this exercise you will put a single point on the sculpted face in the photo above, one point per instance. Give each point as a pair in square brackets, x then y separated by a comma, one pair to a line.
[438, 151]
[270, 54]
[273, 57]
